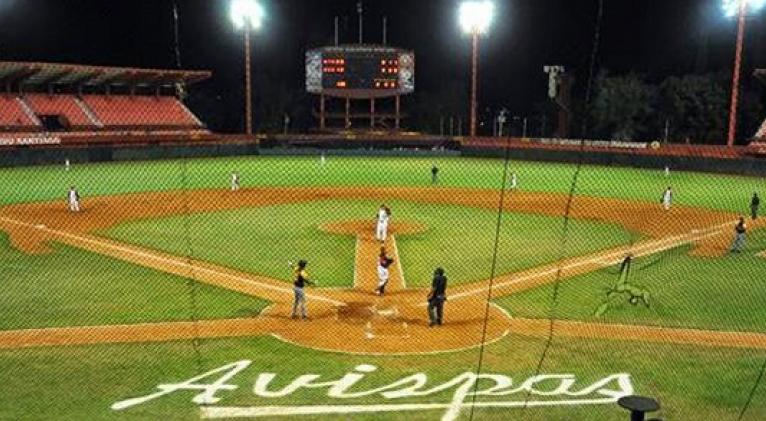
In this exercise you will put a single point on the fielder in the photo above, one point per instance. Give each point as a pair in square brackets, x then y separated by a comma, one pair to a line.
[434, 174]
[301, 280]
[667, 171]
[384, 262]
[514, 183]
[381, 230]
[667, 199]
[67, 164]
[322, 159]
[755, 204]
[740, 235]
[73, 199]
[235, 182]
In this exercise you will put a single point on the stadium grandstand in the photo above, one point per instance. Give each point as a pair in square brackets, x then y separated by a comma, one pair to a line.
[64, 103]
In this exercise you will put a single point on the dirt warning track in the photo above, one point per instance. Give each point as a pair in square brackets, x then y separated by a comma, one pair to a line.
[355, 320]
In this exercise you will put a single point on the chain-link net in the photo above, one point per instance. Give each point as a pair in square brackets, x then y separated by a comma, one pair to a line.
[169, 249]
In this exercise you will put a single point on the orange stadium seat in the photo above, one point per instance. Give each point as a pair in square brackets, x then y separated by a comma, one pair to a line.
[13, 115]
[141, 111]
[61, 105]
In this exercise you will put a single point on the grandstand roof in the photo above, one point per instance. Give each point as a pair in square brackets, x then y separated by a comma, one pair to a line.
[43, 74]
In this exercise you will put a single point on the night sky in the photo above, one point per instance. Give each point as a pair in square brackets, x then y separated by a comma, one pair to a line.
[652, 37]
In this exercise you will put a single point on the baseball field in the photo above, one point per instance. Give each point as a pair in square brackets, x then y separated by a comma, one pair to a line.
[169, 296]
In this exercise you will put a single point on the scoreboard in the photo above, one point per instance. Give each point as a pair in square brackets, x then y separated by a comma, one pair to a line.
[360, 71]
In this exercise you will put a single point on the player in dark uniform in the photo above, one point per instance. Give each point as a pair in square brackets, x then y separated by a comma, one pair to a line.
[301, 280]
[436, 297]
[755, 203]
[434, 174]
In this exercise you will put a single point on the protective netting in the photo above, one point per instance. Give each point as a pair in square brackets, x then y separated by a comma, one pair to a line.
[156, 263]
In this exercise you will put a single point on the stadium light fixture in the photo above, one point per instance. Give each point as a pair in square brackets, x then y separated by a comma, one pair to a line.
[739, 8]
[247, 15]
[246, 12]
[731, 7]
[475, 18]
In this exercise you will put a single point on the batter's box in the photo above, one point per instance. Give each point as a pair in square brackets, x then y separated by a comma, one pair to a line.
[386, 329]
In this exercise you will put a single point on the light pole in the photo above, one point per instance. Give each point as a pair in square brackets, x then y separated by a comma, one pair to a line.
[247, 15]
[738, 8]
[475, 19]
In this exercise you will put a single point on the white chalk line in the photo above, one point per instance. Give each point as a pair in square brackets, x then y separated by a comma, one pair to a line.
[654, 247]
[275, 411]
[174, 262]
[391, 354]
[399, 262]
[356, 253]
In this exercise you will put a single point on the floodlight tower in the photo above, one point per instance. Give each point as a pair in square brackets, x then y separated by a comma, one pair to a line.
[247, 15]
[475, 19]
[738, 8]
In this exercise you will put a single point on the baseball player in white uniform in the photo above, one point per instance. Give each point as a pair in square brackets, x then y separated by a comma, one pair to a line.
[67, 164]
[667, 199]
[381, 231]
[235, 181]
[514, 181]
[73, 199]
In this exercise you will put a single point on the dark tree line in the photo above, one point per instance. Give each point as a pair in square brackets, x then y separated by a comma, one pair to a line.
[694, 108]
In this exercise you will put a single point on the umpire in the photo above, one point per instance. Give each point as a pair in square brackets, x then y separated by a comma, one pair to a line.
[436, 297]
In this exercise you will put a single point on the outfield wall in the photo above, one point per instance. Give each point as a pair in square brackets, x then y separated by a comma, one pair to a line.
[739, 166]
[684, 158]
[28, 156]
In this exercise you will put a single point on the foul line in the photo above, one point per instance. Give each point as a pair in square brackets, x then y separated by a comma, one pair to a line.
[653, 246]
[171, 261]
[399, 262]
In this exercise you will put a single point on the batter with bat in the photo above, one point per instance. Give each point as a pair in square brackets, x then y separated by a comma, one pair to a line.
[384, 262]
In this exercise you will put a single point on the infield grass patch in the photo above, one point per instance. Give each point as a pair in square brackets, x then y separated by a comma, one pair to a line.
[460, 239]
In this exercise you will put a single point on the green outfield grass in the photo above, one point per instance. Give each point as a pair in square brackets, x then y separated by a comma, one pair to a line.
[726, 293]
[460, 239]
[82, 382]
[70, 287]
[694, 189]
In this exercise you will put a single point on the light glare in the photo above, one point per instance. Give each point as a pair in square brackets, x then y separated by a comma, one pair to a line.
[731, 7]
[246, 12]
[476, 16]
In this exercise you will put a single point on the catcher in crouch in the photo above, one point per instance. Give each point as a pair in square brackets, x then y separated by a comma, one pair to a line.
[384, 262]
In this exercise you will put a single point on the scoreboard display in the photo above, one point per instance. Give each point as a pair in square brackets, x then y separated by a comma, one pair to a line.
[360, 71]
